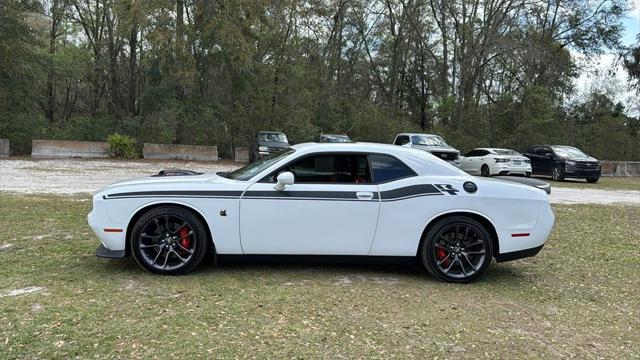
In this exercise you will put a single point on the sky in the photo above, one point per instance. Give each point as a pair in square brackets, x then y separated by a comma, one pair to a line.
[607, 67]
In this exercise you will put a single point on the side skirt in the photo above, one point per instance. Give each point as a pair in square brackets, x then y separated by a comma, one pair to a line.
[316, 259]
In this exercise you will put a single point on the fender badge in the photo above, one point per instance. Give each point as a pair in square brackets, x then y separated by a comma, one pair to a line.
[223, 212]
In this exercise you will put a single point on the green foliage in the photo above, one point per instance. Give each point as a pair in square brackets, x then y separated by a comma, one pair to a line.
[224, 70]
[122, 146]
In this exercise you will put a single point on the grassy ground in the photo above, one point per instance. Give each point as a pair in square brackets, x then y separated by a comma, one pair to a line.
[577, 298]
[605, 183]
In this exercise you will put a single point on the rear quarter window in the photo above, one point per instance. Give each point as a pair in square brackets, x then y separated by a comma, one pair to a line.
[387, 168]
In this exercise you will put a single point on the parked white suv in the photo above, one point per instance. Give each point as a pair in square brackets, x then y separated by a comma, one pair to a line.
[431, 143]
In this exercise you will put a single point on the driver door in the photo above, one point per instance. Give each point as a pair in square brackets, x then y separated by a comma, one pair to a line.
[331, 209]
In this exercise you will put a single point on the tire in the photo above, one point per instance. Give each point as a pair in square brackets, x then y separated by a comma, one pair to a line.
[484, 171]
[557, 174]
[252, 157]
[170, 235]
[592, 180]
[472, 251]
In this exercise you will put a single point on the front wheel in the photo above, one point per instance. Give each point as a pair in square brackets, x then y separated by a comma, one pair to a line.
[592, 180]
[169, 240]
[456, 249]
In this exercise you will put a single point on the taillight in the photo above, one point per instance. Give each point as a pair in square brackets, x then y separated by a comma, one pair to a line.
[498, 160]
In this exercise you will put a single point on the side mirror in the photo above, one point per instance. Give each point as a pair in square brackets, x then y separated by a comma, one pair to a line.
[284, 179]
[548, 155]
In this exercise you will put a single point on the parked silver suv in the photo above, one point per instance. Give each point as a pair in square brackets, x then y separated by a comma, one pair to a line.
[431, 143]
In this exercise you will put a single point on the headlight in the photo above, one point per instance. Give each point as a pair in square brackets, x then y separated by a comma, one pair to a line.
[498, 160]
[263, 148]
[569, 162]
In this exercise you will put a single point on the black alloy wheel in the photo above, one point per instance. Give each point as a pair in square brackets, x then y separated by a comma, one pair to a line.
[457, 249]
[557, 174]
[169, 240]
[484, 171]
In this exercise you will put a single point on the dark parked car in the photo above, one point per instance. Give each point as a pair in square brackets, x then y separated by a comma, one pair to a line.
[266, 143]
[330, 138]
[562, 162]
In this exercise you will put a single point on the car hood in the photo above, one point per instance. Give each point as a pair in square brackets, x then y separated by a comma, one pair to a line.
[271, 144]
[586, 159]
[436, 148]
[167, 181]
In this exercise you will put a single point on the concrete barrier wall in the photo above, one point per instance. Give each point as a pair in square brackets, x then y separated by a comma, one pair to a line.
[4, 148]
[68, 149]
[180, 152]
[620, 168]
[241, 155]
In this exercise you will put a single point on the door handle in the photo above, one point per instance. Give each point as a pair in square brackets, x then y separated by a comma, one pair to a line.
[364, 195]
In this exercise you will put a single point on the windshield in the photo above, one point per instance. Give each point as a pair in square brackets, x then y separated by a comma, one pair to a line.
[568, 152]
[272, 137]
[247, 172]
[427, 140]
[335, 138]
[505, 152]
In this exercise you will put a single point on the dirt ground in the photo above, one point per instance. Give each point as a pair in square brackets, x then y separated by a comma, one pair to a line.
[79, 176]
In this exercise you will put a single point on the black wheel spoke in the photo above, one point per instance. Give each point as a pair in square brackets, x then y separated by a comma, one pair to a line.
[440, 262]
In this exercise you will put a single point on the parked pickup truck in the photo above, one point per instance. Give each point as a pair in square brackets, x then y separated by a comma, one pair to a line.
[431, 143]
[265, 143]
[560, 162]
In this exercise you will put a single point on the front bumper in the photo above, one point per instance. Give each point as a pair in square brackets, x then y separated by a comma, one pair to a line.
[106, 231]
[581, 173]
[455, 162]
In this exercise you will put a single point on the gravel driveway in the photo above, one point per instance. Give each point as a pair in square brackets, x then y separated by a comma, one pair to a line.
[78, 176]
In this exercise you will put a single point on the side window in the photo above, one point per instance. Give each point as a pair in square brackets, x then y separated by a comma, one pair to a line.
[401, 140]
[387, 168]
[329, 168]
[472, 153]
[483, 152]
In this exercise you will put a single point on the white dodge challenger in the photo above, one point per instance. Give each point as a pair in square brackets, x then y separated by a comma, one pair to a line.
[354, 200]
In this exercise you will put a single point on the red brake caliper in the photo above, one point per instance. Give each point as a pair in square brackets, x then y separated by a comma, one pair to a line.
[185, 240]
[441, 254]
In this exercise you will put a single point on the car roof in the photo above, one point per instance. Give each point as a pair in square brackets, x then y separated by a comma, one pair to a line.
[494, 149]
[424, 134]
[270, 132]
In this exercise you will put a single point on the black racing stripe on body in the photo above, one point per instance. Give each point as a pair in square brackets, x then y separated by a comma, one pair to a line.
[409, 192]
[389, 195]
[185, 193]
[310, 195]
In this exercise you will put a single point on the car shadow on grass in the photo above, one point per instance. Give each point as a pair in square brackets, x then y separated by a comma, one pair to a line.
[288, 268]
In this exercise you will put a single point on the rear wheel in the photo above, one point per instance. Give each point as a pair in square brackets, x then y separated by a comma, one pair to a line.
[484, 171]
[456, 249]
[169, 240]
[557, 174]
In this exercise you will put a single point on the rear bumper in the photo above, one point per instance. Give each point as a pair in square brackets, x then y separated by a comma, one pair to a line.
[103, 252]
[510, 169]
[520, 254]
